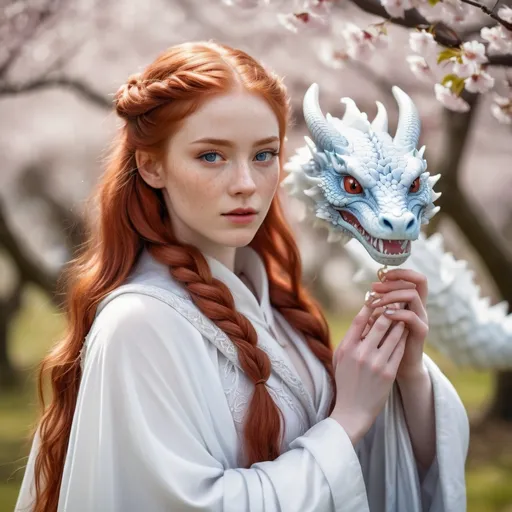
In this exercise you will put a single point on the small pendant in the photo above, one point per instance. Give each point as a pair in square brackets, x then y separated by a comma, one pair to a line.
[381, 273]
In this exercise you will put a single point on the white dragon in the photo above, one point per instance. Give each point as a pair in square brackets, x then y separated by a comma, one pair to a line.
[372, 193]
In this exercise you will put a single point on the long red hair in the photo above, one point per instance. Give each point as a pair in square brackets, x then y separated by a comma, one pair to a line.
[132, 217]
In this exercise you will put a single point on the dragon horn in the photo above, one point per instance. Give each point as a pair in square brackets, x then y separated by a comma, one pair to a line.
[380, 122]
[324, 136]
[408, 130]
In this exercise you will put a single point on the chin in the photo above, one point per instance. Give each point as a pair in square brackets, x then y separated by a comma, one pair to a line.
[237, 237]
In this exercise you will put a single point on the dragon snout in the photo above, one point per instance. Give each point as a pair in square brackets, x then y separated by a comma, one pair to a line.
[405, 226]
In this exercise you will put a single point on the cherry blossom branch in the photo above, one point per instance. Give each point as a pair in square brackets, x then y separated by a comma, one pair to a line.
[443, 34]
[489, 12]
[74, 85]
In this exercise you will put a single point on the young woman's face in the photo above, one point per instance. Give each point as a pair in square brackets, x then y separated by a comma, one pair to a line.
[223, 158]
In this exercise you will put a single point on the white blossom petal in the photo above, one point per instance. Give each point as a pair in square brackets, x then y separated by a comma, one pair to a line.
[450, 100]
[505, 13]
[396, 8]
[479, 83]
[473, 51]
[504, 116]
[497, 39]
[420, 68]
[422, 42]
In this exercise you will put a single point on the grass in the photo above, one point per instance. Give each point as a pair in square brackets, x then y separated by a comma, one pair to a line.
[489, 468]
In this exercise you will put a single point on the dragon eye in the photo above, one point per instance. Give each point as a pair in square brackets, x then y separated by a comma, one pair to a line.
[415, 186]
[351, 185]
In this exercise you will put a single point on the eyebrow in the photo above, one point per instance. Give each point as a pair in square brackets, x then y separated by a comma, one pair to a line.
[228, 143]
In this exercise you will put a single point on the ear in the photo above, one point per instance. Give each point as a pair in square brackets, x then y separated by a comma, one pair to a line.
[150, 169]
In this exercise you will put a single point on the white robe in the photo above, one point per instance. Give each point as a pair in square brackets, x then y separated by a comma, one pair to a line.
[159, 418]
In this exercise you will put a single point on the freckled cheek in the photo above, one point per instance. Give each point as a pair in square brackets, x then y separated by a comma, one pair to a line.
[194, 191]
[269, 183]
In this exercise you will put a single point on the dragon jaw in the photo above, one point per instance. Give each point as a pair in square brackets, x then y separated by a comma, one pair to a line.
[385, 216]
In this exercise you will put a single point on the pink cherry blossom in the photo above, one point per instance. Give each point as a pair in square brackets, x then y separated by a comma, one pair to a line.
[481, 82]
[495, 37]
[420, 68]
[446, 97]
[503, 115]
[505, 13]
[301, 20]
[422, 42]
[360, 43]
[473, 51]
[396, 8]
[319, 7]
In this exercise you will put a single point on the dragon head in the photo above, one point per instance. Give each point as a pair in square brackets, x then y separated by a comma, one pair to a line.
[360, 182]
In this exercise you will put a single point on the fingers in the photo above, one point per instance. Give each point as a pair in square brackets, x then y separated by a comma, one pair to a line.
[376, 313]
[415, 325]
[355, 331]
[390, 342]
[410, 297]
[405, 274]
[388, 286]
[376, 333]
[398, 352]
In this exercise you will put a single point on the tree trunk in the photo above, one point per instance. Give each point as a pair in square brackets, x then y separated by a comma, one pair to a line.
[487, 242]
[8, 308]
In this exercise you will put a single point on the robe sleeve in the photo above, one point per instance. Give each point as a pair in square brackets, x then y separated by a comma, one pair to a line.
[387, 450]
[145, 432]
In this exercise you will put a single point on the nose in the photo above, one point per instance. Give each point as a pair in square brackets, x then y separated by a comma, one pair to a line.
[403, 226]
[242, 182]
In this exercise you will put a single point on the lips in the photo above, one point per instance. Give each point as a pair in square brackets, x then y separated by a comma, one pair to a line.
[241, 211]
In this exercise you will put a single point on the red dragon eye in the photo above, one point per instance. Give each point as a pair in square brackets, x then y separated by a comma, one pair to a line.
[351, 185]
[415, 186]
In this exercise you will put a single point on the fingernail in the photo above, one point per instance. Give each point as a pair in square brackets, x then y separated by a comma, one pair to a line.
[376, 301]
[389, 311]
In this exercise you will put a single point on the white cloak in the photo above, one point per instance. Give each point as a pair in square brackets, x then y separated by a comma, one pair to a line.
[159, 418]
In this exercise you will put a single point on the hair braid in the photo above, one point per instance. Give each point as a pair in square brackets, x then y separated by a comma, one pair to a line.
[189, 267]
[133, 216]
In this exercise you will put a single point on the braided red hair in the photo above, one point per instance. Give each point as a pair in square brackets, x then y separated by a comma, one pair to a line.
[133, 217]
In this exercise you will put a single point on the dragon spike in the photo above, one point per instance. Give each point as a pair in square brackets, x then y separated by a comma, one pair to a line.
[353, 117]
[430, 213]
[436, 195]
[409, 125]
[432, 180]
[421, 151]
[324, 136]
[311, 145]
[380, 122]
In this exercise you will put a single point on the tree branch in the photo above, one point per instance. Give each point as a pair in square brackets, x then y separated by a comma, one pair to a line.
[443, 34]
[74, 85]
[29, 269]
[504, 60]
[489, 12]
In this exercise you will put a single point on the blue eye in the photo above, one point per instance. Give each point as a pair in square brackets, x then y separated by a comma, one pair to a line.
[271, 153]
[210, 157]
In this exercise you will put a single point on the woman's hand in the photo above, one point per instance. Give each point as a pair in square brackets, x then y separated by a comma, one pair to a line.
[408, 289]
[365, 371]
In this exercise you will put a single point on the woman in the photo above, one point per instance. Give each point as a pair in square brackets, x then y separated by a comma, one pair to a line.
[207, 379]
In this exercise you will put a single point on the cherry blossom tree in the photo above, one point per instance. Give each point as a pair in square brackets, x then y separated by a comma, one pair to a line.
[460, 47]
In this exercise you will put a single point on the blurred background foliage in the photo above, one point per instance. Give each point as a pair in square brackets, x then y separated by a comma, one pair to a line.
[60, 63]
